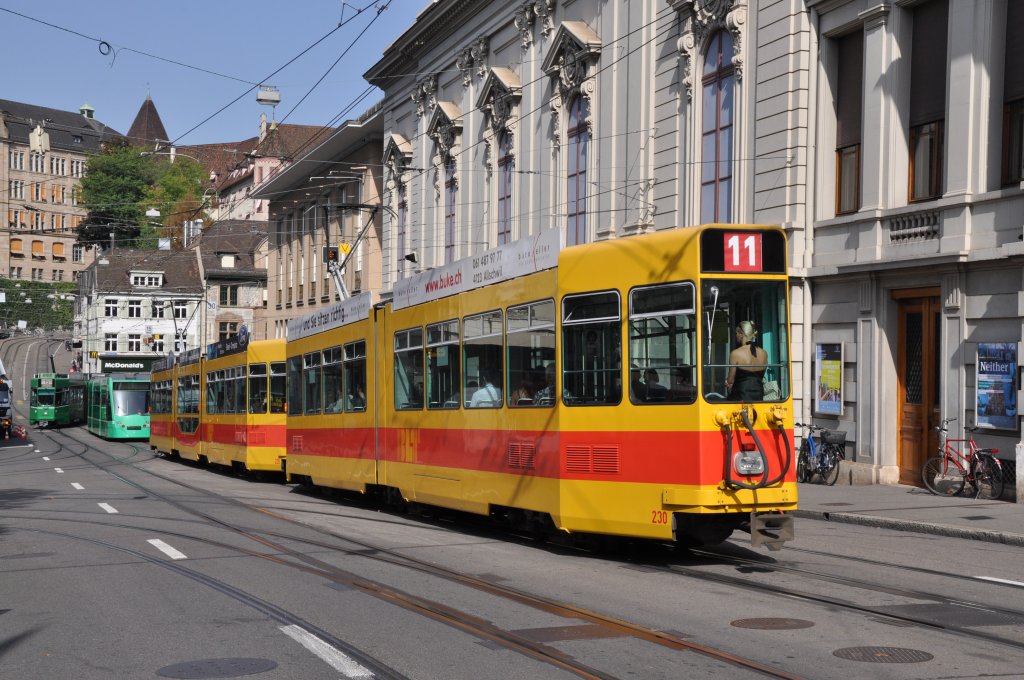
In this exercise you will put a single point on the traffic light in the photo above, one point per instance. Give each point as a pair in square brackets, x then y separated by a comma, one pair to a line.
[331, 254]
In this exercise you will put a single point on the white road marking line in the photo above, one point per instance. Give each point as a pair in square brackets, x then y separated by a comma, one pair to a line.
[59, 471]
[44, 457]
[1001, 580]
[166, 549]
[77, 485]
[336, 659]
[111, 509]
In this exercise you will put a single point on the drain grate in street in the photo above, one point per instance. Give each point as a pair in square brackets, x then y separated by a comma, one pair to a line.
[977, 517]
[883, 654]
[772, 624]
[205, 669]
[943, 614]
[836, 505]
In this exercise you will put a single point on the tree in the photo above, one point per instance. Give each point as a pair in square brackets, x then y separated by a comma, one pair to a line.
[121, 184]
[113, 188]
[178, 194]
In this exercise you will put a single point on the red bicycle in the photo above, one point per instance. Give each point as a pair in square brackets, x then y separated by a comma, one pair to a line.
[949, 472]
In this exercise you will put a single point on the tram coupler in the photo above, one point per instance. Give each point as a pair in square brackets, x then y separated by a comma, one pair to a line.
[770, 529]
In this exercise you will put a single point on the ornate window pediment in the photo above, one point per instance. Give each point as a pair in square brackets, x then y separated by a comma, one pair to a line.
[498, 99]
[700, 19]
[445, 126]
[499, 96]
[397, 157]
[574, 47]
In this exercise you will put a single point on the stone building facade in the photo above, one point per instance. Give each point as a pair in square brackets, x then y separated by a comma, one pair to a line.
[885, 136]
[39, 189]
[327, 198]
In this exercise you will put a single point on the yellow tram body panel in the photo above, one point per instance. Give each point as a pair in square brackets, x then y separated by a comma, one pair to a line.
[161, 418]
[187, 432]
[609, 455]
[332, 413]
[244, 424]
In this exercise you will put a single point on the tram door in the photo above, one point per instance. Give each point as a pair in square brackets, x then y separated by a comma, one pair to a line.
[920, 380]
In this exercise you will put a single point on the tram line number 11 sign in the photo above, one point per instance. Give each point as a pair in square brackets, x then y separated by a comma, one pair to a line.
[742, 251]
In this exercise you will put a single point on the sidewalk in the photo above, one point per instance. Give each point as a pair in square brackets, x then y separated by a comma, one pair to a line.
[908, 508]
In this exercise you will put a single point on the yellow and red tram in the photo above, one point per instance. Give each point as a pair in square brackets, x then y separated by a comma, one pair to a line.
[243, 412]
[161, 417]
[525, 383]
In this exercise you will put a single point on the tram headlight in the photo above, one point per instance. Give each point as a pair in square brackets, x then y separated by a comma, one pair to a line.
[748, 463]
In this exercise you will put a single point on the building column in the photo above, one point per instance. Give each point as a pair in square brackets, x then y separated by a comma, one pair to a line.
[884, 143]
[969, 105]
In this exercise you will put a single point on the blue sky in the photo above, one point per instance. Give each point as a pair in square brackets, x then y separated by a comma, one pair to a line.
[247, 40]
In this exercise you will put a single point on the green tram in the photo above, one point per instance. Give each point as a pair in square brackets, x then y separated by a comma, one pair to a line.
[56, 399]
[117, 405]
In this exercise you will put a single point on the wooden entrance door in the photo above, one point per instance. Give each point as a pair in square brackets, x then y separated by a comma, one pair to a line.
[920, 380]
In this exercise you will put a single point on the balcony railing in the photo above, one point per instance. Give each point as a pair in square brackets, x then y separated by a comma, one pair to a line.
[918, 226]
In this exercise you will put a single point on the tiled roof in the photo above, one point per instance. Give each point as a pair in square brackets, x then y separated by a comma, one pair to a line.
[147, 129]
[282, 141]
[238, 237]
[180, 269]
[63, 127]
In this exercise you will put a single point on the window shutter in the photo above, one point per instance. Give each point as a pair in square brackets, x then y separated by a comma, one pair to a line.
[849, 89]
[928, 62]
[1013, 73]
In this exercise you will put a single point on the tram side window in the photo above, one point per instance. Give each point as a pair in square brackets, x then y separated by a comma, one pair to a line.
[443, 364]
[62, 397]
[662, 344]
[228, 406]
[241, 393]
[409, 369]
[183, 384]
[531, 349]
[257, 388]
[295, 386]
[193, 394]
[223, 385]
[592, 349]
[278, 385]
[312, 382]
[355, 376]
[211, 393]
[483, 354]
[333, 393]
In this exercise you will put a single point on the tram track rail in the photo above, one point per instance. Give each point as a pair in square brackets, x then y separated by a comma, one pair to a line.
[398, 559]
[430, 608]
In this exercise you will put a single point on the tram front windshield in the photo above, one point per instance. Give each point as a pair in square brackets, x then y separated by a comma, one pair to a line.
[42, 398]
[130, 399]
[727, 304]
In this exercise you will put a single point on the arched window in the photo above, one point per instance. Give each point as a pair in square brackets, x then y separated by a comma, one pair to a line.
[576, 173]
[716, 143]
[505, 166]
[400, 249]
[451, 190]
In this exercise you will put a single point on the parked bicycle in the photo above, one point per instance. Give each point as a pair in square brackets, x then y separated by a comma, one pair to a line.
[820, 457]
[950, 471]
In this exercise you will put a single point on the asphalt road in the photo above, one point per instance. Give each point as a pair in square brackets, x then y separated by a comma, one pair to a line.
[115, 563]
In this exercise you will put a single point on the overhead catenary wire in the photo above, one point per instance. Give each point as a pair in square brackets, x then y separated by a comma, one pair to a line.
[106, 48]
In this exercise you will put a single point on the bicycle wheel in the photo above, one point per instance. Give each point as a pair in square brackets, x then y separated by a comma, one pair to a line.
[942, 478]
[803, 462]
[829, 465]
[988, 478]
